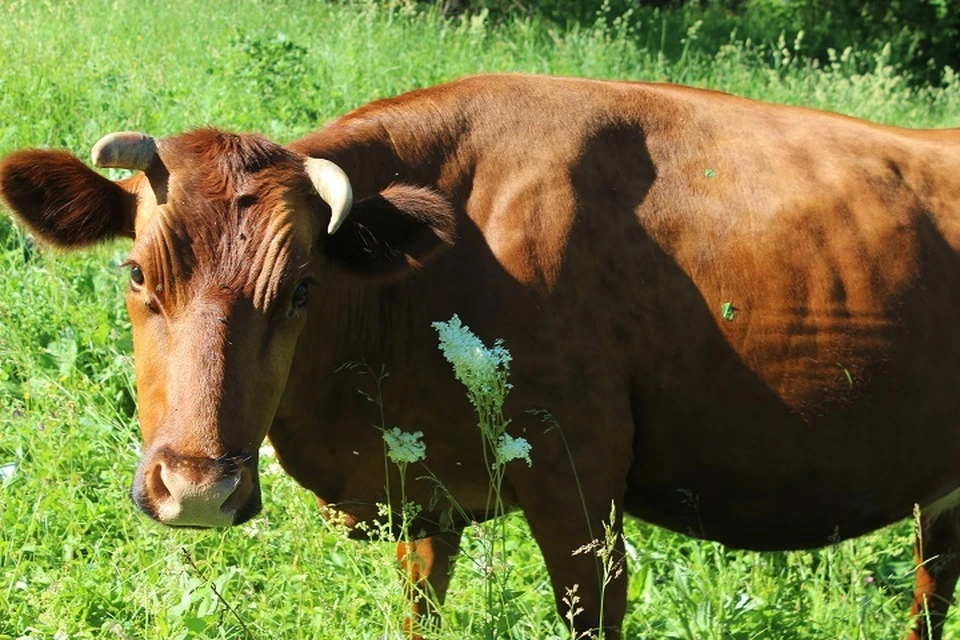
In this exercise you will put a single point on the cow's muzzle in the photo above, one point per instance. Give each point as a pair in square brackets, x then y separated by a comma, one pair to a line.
[190, 491]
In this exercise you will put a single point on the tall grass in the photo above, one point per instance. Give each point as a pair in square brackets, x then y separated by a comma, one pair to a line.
[76, 561]
[75, 69]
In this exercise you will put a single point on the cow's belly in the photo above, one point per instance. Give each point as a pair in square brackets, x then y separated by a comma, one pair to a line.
[752, 499]
[833, 434]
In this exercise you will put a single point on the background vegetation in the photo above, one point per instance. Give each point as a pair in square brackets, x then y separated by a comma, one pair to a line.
[76, 561]
[923, 35]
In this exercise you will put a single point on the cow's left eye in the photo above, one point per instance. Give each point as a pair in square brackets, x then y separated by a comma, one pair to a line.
[300, 296]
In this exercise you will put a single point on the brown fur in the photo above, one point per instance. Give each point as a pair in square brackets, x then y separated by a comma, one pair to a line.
[62, 201]
[598, 228]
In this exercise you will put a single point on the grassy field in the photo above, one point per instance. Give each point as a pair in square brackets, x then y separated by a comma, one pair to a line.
[77, 560]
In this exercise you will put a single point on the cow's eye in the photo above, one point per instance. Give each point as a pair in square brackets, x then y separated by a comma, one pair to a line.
[136, 275]
[300, 296]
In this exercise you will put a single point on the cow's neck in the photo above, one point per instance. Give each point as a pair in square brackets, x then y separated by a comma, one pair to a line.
[361, 323]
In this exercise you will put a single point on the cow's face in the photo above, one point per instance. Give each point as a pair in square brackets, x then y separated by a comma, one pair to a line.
[220, 276]
[230, 233]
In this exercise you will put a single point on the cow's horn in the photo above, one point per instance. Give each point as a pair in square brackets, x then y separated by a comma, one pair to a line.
[125, 150]
[333, 186]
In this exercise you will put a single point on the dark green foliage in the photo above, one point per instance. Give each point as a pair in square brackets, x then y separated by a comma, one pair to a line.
[922, 36]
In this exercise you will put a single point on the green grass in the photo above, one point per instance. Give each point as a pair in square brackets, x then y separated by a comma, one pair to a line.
[77, 561]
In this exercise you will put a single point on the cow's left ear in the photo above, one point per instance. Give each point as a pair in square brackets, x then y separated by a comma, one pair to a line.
[395, 231]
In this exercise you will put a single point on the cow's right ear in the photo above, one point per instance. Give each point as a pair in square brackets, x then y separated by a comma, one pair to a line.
[63, 201]
[393, 232]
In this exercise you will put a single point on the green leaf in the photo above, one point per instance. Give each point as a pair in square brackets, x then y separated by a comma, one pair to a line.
[846, 373]
[195, 624]
[64, 352]
[728, 311]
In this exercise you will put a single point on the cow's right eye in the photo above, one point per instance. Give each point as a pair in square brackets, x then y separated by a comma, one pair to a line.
[300, 296]
[136, 275]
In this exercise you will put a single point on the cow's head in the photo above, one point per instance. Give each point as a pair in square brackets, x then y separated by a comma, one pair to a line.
[229, 233]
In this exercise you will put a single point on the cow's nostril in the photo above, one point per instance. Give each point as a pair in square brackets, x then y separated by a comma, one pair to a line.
[155, 486]
[242, 491]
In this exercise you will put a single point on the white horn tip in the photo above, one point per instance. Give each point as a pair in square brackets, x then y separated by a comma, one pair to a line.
[124, 150]
[333, 186]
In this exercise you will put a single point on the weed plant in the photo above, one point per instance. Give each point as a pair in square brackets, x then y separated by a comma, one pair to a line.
[77, 561]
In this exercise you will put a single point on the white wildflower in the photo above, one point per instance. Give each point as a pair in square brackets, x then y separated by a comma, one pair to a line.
[480, 368]
[267, 451]
[510, 448]
[404, 447]
[7, 471]
[272, 467]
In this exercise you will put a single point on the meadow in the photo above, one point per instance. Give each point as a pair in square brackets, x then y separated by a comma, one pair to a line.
[76, 558]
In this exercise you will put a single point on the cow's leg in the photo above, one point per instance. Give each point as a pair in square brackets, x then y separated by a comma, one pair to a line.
[938, 567]
[427, 565]
[587, 565]
[577, 478]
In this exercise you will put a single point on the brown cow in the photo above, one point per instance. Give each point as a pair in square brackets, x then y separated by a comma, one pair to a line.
[744, 317]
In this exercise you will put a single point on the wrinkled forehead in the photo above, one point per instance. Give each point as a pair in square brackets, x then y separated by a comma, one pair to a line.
[231, 208]
[219, 162]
